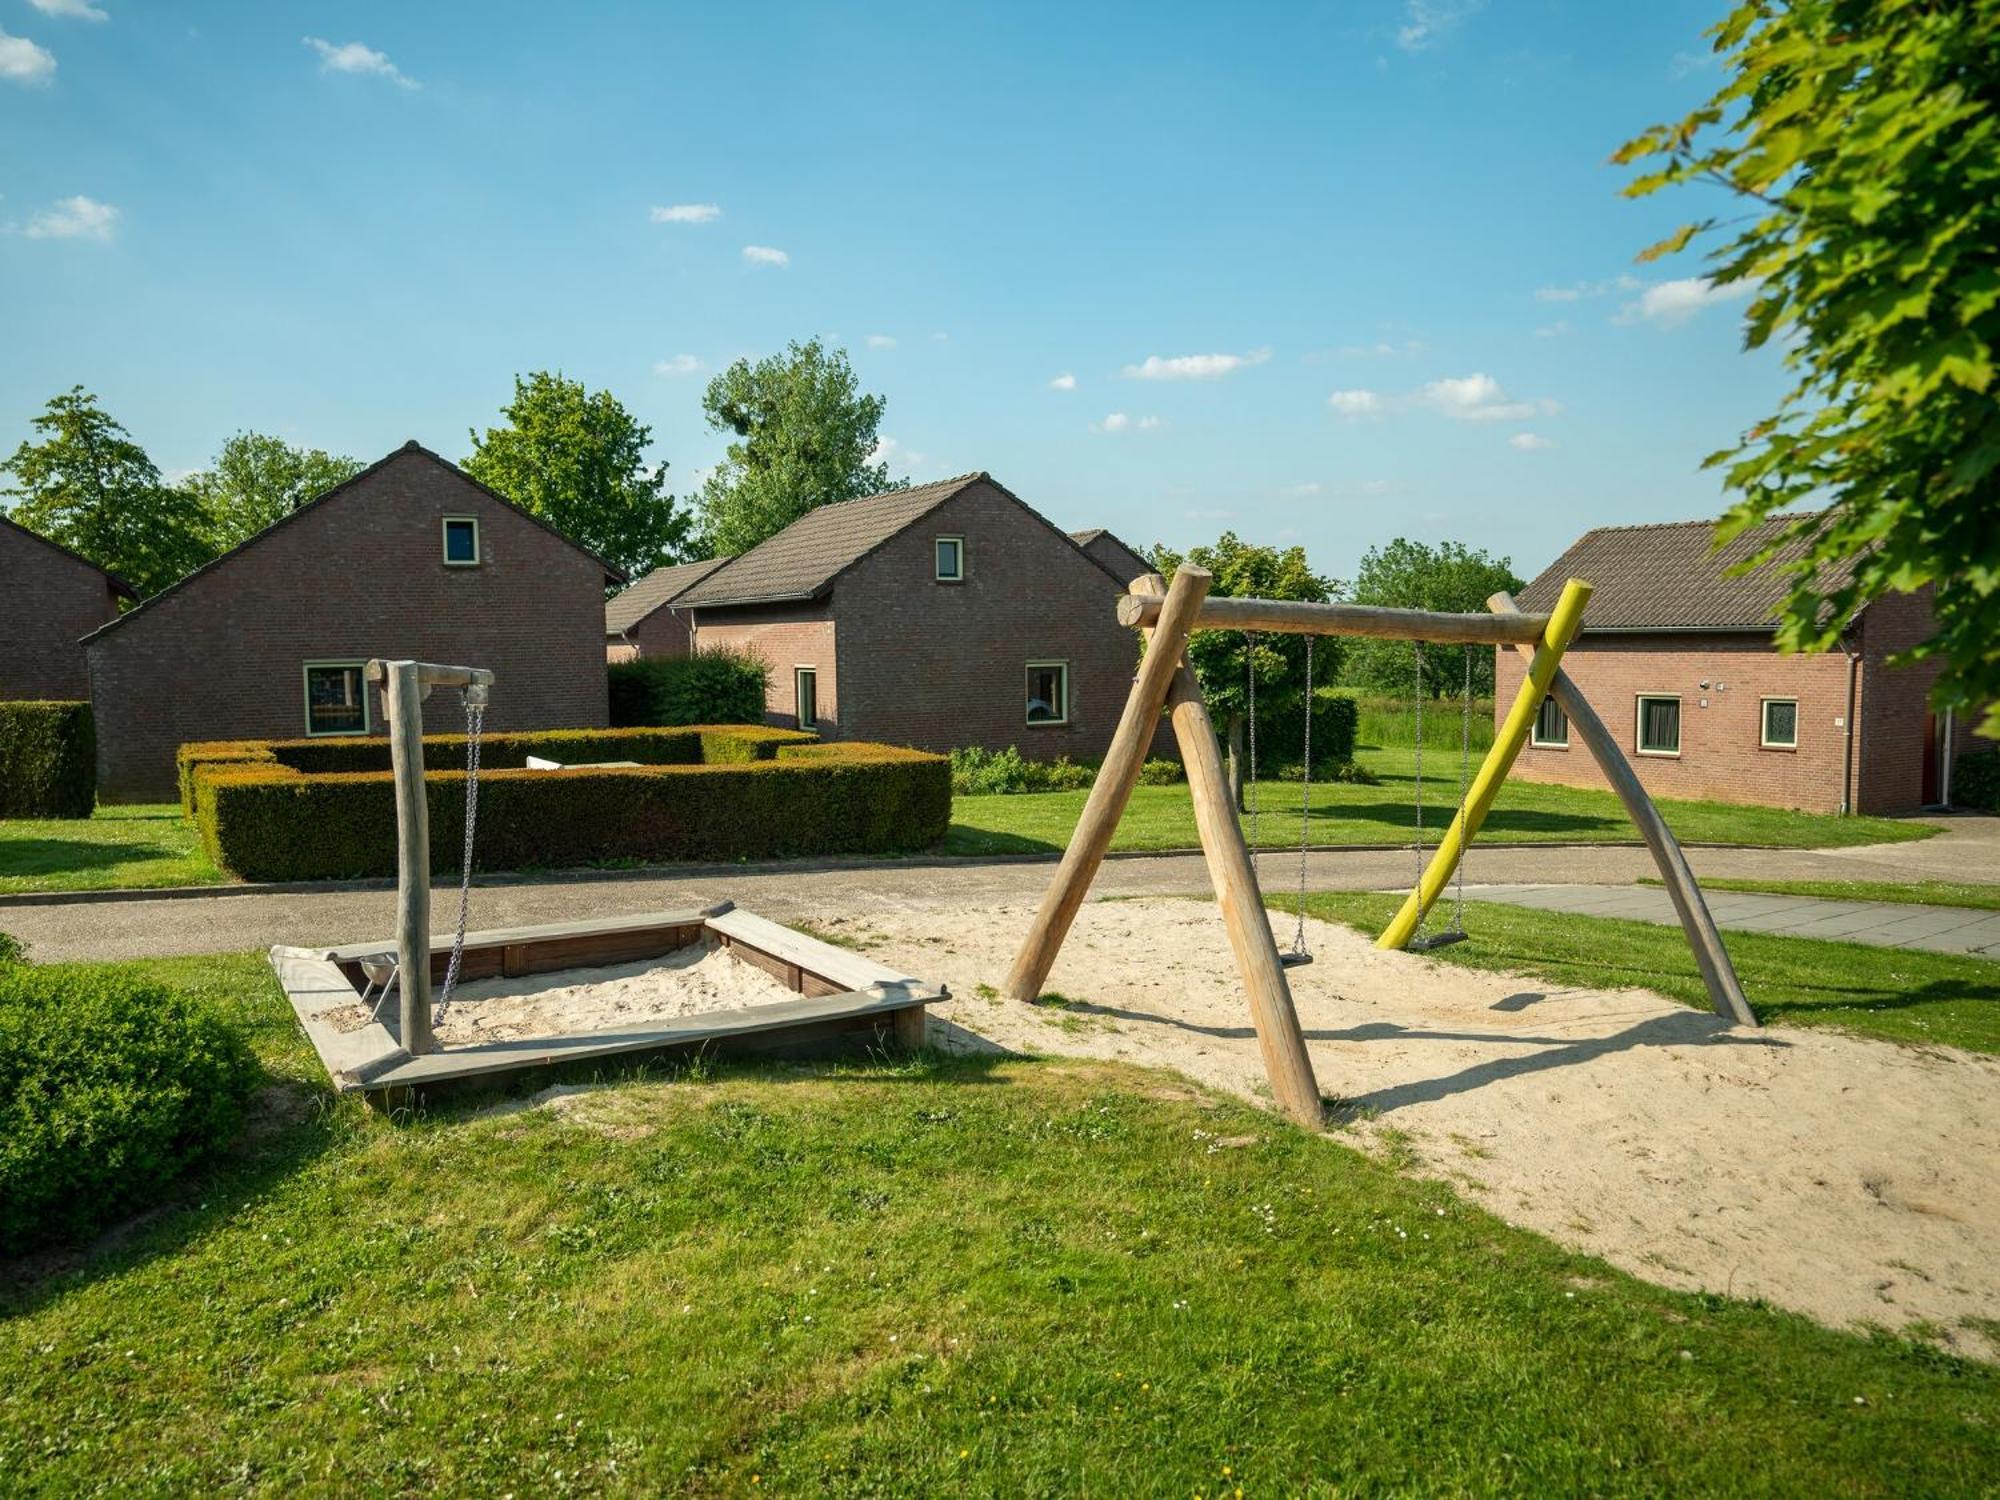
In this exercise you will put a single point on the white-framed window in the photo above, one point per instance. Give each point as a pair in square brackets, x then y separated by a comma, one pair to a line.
[461, 541]
[1048, 692]
[336, 698]
[948, 553]
[1551, 725]
[1659, 724]
[1778, 723]
[805, 695]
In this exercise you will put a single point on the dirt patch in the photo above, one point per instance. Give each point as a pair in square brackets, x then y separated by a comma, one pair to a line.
[1851, 1180]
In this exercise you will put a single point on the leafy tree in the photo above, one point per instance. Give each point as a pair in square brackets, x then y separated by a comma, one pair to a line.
[577, 459]
[87, 485]
[1864, 136]
[257, 481]
[1414, 575]
[806, 437]
[1222, 659]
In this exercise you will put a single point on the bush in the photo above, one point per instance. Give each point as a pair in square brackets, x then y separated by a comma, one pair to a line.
[1975, 780]
[48, 759]
[977, 772]
[1281, 735]
[110, 1088]
[716, 685]
[12, 950]
[1162, 773]
[703, 793]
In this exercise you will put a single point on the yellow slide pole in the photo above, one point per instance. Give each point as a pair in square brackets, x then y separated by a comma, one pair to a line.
[1563, 622]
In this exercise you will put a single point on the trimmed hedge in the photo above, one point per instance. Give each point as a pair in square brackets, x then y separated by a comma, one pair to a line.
[110, 1088]
[977, 772]
[48, 759]
[1281, 733]
[1975, 780]
[716, 685]
[708, 792]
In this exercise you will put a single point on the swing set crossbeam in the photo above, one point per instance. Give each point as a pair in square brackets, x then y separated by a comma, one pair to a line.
[1292, 617]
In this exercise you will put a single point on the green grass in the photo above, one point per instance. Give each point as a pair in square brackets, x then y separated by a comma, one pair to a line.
[1393, 722]
[1526, 813]
[148, 845]
[1902, 893]
[1897, 994]
[904, 1277]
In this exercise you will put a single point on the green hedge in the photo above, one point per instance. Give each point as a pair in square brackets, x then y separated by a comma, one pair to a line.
[977, 772]
[110, 1088]
[716, 685]
[1281, 734]
[1975, 780]
[48, 759]
[704, 793]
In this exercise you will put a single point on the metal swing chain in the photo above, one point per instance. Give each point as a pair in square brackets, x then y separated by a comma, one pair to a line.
[1417, 700]
[1250, 660]
[1464, 771]
[1305, 807]
[475, 723]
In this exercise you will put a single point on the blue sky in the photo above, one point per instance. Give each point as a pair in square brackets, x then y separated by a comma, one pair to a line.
[1328, 274]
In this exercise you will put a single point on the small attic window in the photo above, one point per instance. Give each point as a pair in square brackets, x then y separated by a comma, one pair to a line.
[461, 541]
[950, 559]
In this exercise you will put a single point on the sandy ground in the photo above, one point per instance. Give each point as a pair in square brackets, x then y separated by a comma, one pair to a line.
[1853, 1181]
[683, 983]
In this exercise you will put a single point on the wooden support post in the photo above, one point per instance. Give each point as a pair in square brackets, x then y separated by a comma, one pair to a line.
[403, 695]
[1113, 787]
[911, 1026]
[1234, 875]
[1507, 743]
[1725, 990]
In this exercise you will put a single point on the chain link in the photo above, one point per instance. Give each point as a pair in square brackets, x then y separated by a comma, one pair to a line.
[1417, 701]
[475, 723]
[1305, 807]
[1464, 772]
[1250, 660]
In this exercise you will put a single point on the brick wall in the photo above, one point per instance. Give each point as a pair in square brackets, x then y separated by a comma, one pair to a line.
[665, 632]
[49, 601]
[1721, 681]
[358, 575]
[787, 636]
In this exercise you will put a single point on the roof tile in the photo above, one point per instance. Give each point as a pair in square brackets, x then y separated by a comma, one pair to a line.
[662, 586]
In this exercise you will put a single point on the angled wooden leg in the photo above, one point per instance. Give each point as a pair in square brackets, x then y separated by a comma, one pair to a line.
[1725, 990]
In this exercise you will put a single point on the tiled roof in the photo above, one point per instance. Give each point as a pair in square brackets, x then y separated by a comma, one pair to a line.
[1085, 538]
[800, 561]
[1122, 562]
[1671, 576]
[662, 586]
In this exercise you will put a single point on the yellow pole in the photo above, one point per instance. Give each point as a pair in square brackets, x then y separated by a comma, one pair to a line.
[1563, 622]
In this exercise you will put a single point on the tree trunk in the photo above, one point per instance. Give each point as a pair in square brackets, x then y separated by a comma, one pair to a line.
[1236, 762]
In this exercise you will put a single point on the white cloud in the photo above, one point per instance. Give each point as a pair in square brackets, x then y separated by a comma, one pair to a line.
[1147, 424]
[1480, 398]
[764, 255]
[889, 451]
[680, 364]
[1577, 291]
[21, 61]
[881, 341]
[1194, 366]
[1672, 303]
[353, 57]
[1119, 421]
[685, 213]
[70, 10]
[1063, 382]
[1300, 491]
[1553, 330]
[1356, 405]
[77, 218]
[1529, 442]
[1425, 21]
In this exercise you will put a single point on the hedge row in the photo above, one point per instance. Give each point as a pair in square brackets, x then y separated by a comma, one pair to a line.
[739, 794]
[716, 685]
[1975, 780]
[110, 1088]
[1281, 733]
[48, 759]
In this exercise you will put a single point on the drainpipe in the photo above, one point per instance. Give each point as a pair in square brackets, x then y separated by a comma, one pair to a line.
[1852, 751]
[1950, 750]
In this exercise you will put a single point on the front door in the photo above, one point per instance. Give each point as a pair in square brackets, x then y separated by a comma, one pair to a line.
[1932, 790]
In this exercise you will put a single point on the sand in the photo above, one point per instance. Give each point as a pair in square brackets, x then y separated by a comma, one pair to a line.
[1855, 1181]
[683, 983]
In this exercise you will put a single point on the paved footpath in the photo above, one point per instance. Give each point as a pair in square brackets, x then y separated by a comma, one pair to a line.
[226, 921]
[1880, 924]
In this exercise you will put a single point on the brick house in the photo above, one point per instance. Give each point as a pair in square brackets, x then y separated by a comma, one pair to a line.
[1678, 658]
[1108, 552]
[944, 615]
[409, 558]
[50, 599]
[643, 620]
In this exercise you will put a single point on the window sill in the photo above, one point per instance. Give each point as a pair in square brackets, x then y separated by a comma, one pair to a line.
[1781, 749]
[1659, 754]
[1546, 745]
[1047, 723]
[947, 580]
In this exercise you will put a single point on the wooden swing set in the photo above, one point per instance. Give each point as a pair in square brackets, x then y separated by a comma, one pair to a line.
[1166, 616]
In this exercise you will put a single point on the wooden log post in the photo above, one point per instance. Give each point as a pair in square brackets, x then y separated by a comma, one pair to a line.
[403, 695]
[1113, 786]
[1725, 990]
[1485, 786]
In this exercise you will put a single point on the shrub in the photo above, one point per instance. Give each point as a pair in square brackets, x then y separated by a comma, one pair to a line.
[110, 1088]
[12, 950]
[988, 773]
[703, 793]
[1975, 780]
[48, 759]
[1281, 733]
[716, 685]
[1162, 773]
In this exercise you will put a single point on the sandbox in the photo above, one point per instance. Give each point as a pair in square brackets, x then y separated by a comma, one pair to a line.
[563, 992]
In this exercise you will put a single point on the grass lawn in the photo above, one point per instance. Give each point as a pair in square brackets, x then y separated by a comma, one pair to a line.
[148, 845]
[904, 1277]
[1900, 995]
[1527, 813]
[1906, 893]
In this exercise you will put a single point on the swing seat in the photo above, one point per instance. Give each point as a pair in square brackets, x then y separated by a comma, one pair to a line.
[1294, 960]
[1433, 941]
